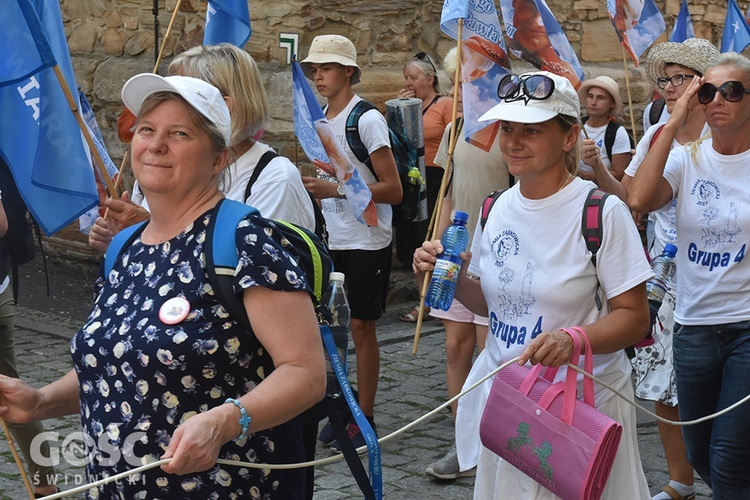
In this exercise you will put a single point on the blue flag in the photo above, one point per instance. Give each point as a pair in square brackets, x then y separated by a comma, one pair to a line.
[484, 61]
[39, 136]
[683, 25]
[227, 21]
[317, 140]
[638, 23]
[536, 37]
[736, 30]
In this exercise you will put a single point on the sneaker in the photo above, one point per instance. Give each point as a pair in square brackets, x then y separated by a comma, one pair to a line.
[326, 435]
[447, 468]
[355, 434]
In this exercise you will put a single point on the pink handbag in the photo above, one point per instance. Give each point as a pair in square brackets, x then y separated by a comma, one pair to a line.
[541, 428]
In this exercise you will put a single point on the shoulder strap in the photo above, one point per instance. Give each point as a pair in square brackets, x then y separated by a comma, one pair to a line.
[657, 108]
[122, 240]
[656, 134]
[222, 258]
[352, 131]
[591, 228]
[609, 137]
[265, 159]
[489, 202]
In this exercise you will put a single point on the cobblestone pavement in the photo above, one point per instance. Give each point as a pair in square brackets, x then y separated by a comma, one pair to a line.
[410, 386]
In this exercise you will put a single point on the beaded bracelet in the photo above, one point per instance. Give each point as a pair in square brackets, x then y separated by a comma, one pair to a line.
[245, 419]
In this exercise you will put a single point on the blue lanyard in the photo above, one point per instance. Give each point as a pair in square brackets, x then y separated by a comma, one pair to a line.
[373, 447]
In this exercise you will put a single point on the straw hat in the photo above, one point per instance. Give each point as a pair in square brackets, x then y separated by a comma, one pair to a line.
[693, 53]
[332, 49]
[604, 83]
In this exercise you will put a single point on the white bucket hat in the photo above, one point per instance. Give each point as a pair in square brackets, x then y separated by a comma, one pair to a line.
[693, 53]
[332, 49]
[202, 96]
[563, 101]
[605, 83]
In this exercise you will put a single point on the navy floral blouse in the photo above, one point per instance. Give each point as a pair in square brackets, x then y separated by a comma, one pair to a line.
[140, 379]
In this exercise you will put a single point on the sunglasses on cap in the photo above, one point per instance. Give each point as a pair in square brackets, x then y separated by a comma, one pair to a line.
[514, 87]
[423, 56]
[732, 91]
[675, 80]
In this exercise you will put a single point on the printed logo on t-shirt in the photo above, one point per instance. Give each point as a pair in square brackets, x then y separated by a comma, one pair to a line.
[504, 245]
[512, 334]
[720, 233]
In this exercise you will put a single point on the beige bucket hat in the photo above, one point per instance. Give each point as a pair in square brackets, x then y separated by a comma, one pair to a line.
[332, 49]
[606, 83]
[693, 53]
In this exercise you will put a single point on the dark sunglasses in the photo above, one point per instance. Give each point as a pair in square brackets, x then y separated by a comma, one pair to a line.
[675, 80]
[423, 56]
[514, 87]
[732, 91]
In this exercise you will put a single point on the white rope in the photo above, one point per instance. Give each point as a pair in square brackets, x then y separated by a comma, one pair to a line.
[362, 449]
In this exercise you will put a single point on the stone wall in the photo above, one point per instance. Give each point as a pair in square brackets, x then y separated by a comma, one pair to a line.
[111, 40]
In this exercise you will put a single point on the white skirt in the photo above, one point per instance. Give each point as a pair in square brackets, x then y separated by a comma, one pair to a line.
[497, 479]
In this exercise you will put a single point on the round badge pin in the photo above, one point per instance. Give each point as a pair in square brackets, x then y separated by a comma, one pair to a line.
[174, 310]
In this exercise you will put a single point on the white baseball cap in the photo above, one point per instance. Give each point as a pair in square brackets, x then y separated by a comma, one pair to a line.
[521, 109]
[202, 96]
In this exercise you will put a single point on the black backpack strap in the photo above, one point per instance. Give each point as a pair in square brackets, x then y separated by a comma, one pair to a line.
[487, 205]
[352, 132]
[609, 137]
[657, 108]
[265, 159]
[591, 228]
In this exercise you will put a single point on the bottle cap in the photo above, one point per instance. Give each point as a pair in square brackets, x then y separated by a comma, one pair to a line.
[670, 249]
[334, 276]
[461, 216]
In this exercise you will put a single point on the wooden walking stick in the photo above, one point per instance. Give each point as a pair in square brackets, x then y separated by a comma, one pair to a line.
[435, 217]
[16, 457]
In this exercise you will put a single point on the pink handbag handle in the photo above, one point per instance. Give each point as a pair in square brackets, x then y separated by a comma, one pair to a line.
[577, 334]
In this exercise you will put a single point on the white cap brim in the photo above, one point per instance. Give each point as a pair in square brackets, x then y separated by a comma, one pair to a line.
[517, 112]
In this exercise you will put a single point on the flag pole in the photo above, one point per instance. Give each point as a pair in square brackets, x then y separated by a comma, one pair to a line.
[16, 457]
[630, 99]
[166, 36]
[89, 140]
[432, 228]
[156, 69]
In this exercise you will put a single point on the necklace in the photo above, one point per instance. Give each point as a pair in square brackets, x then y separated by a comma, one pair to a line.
[565, 182]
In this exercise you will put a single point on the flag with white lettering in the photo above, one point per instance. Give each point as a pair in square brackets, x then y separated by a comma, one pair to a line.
[683, 25]
[321, 147]
[536, 37]
[638, 23]
[484, 61]
[227, 21]
[736, 34]
[39, 136]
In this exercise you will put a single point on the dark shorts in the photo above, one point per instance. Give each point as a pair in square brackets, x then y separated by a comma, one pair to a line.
[367, 275]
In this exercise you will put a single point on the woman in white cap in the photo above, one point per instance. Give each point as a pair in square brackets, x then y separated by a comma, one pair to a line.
[531, 273]
[160, 370]
[711, 341]
[671, 66]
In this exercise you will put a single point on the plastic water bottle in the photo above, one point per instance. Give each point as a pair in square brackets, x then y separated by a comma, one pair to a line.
[336, 301]
[443, 283]
[664, 269]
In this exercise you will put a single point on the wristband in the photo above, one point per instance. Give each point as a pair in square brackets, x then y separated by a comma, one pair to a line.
[244, 420]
